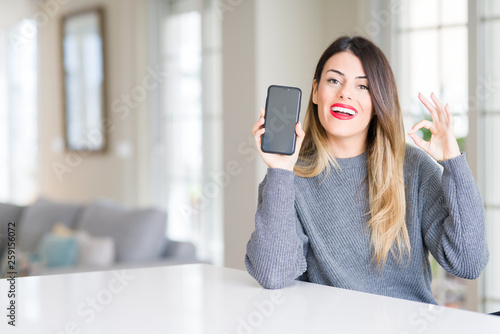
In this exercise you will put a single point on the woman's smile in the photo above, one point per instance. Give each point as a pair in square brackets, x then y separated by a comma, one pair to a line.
[343, 111]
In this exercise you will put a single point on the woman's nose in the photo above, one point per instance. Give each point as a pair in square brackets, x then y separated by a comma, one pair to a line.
[344, 93]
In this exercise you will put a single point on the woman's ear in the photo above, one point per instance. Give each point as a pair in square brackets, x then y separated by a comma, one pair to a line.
[315, 92]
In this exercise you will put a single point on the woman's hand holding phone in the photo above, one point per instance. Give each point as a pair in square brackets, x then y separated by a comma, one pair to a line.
[274, 160]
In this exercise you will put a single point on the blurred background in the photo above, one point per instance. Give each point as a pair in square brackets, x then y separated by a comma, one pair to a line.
[174, 86]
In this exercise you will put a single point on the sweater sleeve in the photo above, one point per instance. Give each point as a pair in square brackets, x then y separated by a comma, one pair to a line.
[453, 219]
[276, 249]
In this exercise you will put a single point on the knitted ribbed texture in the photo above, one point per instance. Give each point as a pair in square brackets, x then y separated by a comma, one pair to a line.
[316, 228]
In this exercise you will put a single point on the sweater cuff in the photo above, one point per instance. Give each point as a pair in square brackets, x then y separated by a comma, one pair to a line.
[280, 174]
[454, 163]
[457, 166]
[280, 184]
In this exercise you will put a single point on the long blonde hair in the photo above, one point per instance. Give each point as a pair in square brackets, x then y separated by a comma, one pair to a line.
[385, 149]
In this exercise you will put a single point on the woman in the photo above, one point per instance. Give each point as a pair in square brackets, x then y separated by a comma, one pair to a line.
[357, 208]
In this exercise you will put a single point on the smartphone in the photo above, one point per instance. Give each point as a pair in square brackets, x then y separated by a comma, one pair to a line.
[282, 114]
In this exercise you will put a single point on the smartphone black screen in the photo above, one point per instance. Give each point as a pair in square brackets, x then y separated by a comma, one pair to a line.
[282, 113]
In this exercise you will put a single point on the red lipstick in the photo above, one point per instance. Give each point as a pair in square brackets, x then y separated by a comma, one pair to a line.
[343, 111]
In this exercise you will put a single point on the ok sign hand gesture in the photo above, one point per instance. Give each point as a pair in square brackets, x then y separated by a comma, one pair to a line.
[442, 145]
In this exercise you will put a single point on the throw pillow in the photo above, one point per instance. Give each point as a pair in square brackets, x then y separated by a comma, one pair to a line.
[95, 251]
[62, 230]
[139, 234]
[58, 251]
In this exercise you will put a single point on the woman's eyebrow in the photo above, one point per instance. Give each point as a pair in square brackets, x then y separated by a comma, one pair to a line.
[342, 74]
[336, 71]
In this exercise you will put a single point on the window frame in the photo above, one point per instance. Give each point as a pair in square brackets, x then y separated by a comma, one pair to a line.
[209, 238]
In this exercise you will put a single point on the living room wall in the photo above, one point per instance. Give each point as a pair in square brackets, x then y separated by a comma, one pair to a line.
[74, 176]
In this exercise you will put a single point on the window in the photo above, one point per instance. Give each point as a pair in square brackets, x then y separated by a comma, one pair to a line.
[187, 137]
[18, 113]
[432, 45]
[489, 113]
[432, 56]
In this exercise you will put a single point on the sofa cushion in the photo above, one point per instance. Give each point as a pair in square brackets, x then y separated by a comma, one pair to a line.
[9, 213]
[139, 234]
[39, 218]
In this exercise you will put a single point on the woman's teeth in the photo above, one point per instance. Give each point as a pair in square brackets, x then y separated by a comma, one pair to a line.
[343, 111]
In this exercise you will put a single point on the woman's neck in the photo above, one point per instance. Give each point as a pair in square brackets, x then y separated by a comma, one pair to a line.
[347, 147]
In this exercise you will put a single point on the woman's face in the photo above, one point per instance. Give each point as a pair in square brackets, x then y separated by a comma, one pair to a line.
[344, 102]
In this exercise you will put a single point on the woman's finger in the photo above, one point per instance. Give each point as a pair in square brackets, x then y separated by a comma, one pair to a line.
[448, 114]
[429, 106]
[259, 133]
[419, 141]
[262, 112]
[300, 135]
[260, 122]
[257, 125]
[298, 129]
[439, 106]
[258, 137]
[421, 124]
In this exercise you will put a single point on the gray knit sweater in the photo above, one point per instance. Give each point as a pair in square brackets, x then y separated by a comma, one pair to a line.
[315, 229]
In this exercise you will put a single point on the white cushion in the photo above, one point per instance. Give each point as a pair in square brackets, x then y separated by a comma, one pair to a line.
[94, 251]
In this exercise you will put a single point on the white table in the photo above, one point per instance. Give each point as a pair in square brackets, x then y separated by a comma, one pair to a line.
[201, 298]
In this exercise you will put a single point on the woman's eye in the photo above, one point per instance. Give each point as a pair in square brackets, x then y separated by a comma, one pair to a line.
[363, 87]
[333, 81]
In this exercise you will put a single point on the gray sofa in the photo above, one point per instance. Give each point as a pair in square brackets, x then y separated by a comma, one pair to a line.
[101, 235]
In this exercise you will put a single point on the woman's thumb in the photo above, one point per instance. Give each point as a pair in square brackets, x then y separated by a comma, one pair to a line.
[300, 134]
